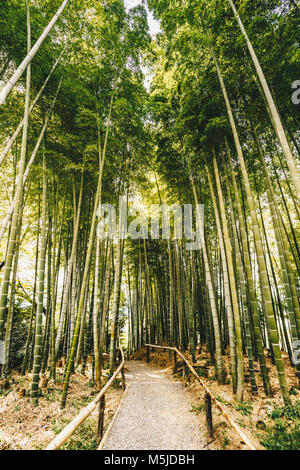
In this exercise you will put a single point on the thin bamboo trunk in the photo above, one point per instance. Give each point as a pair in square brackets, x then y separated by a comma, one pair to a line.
[115, 307]
[211, 294]
[276, 121]
[32, 105]
[228, 304]
[233, 289]
[86, 270]
[40, 306]
[30, 55]
[250, 281]
[259, 249]
[70, 268]
[29, 165]
[18, 196]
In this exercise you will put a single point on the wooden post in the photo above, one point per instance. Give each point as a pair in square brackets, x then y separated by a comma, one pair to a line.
[101, 419]
[185, 373]
[123, 379]
[209, 422]
[148, 354]
[175, 363]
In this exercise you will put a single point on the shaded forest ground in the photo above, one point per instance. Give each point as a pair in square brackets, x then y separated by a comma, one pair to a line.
[25, 427]
[265, 420]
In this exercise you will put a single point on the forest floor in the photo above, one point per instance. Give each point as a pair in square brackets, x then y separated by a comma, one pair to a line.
[23, 426]
[265, 420]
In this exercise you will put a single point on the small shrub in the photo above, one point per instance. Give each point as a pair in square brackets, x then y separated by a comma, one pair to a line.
[225, 440]
[240, 421]
[291, 412]
[244, 407]
[201, 371]
[281, 436]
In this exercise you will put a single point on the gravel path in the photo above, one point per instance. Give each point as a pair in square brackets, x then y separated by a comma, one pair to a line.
[156, 414]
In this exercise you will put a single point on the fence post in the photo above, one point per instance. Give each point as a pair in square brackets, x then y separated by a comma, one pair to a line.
[101, 419]
[185, 373]
[209, 422]
[148, 354]
[175, 363]
[123, 379]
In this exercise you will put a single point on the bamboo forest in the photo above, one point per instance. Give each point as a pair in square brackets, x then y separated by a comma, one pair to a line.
[149, 225]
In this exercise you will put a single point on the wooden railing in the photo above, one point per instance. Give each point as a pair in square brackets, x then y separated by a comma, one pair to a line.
[67, 432]
[209, 396]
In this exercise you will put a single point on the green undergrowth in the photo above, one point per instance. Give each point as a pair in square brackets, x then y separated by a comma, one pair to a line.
[245, 408]
[198, 409]
[284, 432]
[84, 438]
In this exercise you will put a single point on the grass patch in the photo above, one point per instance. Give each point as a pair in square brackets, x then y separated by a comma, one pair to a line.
[282, 436]
[291, 412]
[85, 438]
[225, 440]
[116, 383]
[285, 433]
[244, 407]
[198, 409]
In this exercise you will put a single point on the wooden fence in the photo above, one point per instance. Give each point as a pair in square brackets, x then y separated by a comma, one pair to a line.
[67, 432]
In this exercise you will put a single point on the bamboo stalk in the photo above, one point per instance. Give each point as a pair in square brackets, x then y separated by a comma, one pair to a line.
[30, 55]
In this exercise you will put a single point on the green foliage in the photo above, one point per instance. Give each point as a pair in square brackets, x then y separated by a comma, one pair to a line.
[84, 438]
[225, 440]
[293, 391]
[290, 412]
[198, 409]
[222, 400]
[244, 407]
[285, 433]
[19, 335]
[281, 436]
[52, 394]
[201, 371]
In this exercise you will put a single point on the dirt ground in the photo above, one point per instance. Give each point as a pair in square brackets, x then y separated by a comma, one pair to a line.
[23, 426]
[252, 415]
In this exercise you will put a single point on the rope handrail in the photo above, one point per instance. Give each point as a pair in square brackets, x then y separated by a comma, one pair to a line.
[208, 392]
[67, 432]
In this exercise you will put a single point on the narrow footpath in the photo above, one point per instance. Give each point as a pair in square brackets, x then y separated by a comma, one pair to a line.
[156, 413]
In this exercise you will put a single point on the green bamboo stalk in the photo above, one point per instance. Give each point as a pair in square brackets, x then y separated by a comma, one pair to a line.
[228, 304]
[19, 192]
[40, 305]
[233, 288]
[259, 250]
[211, 295]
